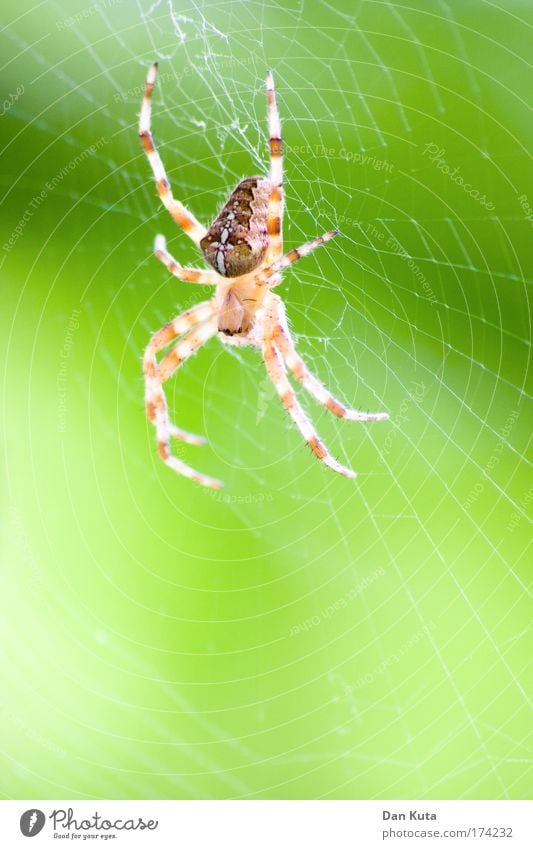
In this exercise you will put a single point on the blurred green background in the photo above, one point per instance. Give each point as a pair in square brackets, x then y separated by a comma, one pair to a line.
[297, 634]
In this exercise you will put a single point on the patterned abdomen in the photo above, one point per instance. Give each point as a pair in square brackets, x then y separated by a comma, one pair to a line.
[237, 240]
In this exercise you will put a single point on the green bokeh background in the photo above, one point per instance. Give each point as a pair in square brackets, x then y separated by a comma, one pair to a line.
[298, 635]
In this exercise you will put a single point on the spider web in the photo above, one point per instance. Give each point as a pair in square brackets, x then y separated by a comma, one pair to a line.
[419, 308]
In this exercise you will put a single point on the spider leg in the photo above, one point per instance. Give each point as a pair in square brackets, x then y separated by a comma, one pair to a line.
[177, 327]
[156, 375]
[276, 370]
[275, 204]
[189, 275]
[179, 213]
[293, 256]
[297, 367]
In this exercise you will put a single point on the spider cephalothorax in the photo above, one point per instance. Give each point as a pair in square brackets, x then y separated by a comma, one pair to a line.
[244, 247]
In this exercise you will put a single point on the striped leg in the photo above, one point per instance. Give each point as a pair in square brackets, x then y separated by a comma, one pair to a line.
[275, 206]
[156, 375]
[276, 371]
[296, 365]
[190, 275]
[181, 216]
[293, 256]
[154, 393]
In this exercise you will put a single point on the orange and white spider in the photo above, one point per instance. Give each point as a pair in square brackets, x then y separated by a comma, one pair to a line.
[244, 246]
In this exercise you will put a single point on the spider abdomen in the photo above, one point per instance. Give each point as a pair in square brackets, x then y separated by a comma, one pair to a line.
[237, 240]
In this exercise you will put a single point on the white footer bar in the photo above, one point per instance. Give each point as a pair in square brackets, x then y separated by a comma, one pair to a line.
[267, 824]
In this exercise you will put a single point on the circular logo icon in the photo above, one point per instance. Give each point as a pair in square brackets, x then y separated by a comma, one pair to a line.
[32, 822]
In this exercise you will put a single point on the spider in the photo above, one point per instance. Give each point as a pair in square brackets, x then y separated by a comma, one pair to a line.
[244, 247]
